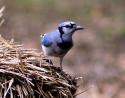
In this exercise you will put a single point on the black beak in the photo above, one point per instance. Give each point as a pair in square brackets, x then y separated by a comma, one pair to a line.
[79, 28]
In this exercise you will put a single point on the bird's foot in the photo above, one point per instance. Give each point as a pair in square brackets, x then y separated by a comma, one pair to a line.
[49, 61]
[60, 68]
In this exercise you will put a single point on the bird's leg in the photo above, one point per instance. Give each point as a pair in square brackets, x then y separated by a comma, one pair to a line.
[61, 60]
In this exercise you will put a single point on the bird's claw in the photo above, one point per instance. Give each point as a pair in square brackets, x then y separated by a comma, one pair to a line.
[49, 61]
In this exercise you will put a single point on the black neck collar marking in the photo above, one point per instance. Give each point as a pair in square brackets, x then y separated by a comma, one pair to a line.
[61, 32]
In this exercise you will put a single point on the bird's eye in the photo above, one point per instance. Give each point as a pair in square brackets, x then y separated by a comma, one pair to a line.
[67, 26]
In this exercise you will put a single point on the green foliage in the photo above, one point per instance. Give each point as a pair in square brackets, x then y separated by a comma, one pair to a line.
[86, 11]
[123, 32]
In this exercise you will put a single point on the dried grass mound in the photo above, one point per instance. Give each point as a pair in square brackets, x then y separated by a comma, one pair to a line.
[24, 73]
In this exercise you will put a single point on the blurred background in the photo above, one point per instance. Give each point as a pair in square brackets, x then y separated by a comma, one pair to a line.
[99, 52]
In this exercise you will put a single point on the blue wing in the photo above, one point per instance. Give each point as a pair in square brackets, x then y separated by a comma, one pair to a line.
[45, 41]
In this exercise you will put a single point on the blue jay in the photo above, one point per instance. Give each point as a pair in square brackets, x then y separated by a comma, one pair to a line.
[59, 42]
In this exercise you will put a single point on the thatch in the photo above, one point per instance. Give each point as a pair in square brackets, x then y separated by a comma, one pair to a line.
[24, 73]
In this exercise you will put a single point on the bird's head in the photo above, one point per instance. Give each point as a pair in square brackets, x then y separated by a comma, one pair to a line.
[69, 27]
